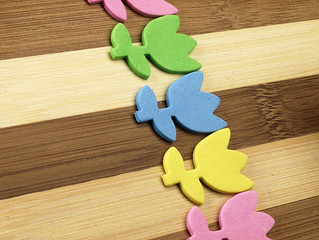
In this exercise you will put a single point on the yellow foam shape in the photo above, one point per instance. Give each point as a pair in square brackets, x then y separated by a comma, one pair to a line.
[215, 165]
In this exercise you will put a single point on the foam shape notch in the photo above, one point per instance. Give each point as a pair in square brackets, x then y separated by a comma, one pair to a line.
[237, 219]
[149, 8]
[161, 44]
[190, 108]
[215, 165]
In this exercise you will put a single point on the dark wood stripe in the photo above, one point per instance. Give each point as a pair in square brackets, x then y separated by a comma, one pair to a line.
[296, 220]
[34, 27]
[75, 149]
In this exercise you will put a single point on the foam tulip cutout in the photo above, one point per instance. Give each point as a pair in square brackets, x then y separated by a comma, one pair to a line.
[149, 8]
[165, 48]
[215, 165]
[237, 219]
[190, 108]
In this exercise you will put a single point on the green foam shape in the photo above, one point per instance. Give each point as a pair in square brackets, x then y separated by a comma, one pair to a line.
[161, 44]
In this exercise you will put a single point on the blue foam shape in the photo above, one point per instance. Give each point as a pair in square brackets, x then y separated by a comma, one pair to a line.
[189, 107]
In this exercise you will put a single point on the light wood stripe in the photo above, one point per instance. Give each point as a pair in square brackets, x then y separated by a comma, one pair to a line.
[31, 27]
[136, 204]
[52, 86]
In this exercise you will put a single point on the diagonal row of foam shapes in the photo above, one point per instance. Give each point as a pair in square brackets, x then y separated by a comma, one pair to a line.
[192, 109]
[214, 164]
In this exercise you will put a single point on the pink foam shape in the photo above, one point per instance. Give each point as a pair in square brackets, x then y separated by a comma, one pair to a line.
[152, 8]
[198, 227]
[149, 8]
[94, 1]
[114, 7]
[237, 219]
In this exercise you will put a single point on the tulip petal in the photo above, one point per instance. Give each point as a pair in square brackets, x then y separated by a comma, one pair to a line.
[152, 8]
[116, 9]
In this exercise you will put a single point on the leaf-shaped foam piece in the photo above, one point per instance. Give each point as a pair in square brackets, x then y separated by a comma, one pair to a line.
[195, 108]
[176, 174]
[167, 49]
[146, 104]
[220, 167]
[116, 9]
[121, 41]
[152, 8]
[164, 126]
[148, 111]
[123, 48]
[138, 63]
[173, 166]
[237, 220]
[197, 224]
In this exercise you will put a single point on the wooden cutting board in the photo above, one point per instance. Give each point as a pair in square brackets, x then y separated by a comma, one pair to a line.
[74, 164]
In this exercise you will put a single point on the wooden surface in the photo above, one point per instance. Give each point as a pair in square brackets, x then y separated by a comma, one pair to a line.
[75, 165]
[236, 58]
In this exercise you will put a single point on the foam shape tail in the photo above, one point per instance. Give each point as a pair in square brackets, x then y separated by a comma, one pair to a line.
[152, 8]
[148, 111]
[220, 167]
[176, 174]
[195, 107]
[146, 104]
[237, 218]
[198, 228]
[123, 48]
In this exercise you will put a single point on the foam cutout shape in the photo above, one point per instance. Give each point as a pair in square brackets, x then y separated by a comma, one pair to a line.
[237, 220]
[218, 167]
[191, 108]
[161, 44]
[149, 8]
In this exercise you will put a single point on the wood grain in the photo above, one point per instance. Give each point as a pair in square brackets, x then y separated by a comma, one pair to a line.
[66, 84]
[81, 168]
[71, 150]
[138, 205]
[303, 215]
[31, 27]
